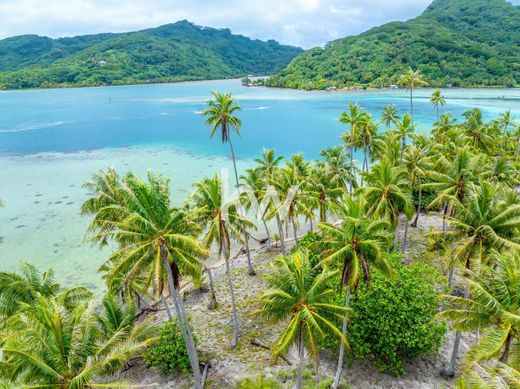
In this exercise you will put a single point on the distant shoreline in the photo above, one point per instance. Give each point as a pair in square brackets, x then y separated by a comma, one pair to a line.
[238, 78]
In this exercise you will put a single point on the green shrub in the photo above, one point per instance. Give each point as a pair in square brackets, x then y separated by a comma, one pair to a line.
[259, 383]
[168, 353]
[393, 320]
[308, 241]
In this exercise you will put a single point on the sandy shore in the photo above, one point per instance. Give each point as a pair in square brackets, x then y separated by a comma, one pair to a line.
[230, 366]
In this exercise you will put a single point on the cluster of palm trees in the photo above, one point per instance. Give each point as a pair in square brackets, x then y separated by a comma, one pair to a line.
[363, 211]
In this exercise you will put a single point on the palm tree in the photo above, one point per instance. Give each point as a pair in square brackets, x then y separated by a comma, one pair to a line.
[221, 115]
[354, 117]
[480, 137]
[410, 80]
[494, 309]
[268, 166]
[417, 163]
[437, 99]
[322, 194]
[387, 196]
[505, 121]
[389, 115]
[154, 239]
[299, 294]
[53, 346]
[19, 289]
[357, 245]
[501, 171]
[222, 222]
[443, 124]
[404, 129]
[337, 166]
[483, 376]
[367, 133]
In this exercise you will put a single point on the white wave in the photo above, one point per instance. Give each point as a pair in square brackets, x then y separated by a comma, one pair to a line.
[35, 127]
[257, 109]
[197, 112]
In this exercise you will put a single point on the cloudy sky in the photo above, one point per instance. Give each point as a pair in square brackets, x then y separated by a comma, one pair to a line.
[305, 23]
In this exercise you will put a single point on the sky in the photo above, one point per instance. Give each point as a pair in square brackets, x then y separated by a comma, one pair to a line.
[304, 23]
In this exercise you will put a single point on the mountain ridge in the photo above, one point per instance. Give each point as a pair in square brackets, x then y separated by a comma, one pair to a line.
[459, 42]
[172, 52]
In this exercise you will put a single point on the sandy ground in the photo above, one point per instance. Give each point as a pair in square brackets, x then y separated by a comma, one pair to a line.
[228, 366]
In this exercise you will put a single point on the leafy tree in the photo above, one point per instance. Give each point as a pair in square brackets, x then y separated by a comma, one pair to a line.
[412, 79]
[437, 99]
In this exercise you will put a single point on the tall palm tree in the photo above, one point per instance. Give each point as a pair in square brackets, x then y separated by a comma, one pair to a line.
[480, 136]
[412, 79]
[444, 123]
[387, 195]
[221, 115]
[268, 166]
[52, 346]
[417, 163]
[367, 133]
[23, 287]
[322, 194]
[222, 222]
[354, 118]
[389, 115]
[356, 245]
[437, 99]
[154, 240]
[337, 166]
[494, 308]
[404, 129]
[505, 120]
[299, 294]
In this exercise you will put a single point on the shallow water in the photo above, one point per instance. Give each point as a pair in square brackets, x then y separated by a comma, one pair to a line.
[51, 141]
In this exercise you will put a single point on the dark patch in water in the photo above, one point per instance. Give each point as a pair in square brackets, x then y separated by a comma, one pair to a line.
[70, 202]
[36, 202]
[65, 197]
[38, 195]
[13, 219]
[55, 251]
[1, 239]
[57, 202]
[20, 226]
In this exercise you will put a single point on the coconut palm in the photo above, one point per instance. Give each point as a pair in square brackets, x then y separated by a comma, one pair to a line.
[356, 245]
[501, 171]
[337, 166]
[480, 136]
[221, 115]
[444, 123]
[387, 195]
[505, 120]
[322, 194]
[404, 129]
[366, 134]
[494, 308]
[354, 118]
[437, 99]
[389, 115]
[52, 346]
[412, 79]
[295, 197]
[21, 288]
[268, 166]
[485, 376]
[299, 296]
[154, 240]
[222, 222]
[417, 163]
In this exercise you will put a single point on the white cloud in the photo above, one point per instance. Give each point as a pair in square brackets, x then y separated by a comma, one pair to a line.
[304, 23]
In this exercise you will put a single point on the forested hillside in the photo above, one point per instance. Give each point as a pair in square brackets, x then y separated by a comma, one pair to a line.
[173, 52]
[459, 42]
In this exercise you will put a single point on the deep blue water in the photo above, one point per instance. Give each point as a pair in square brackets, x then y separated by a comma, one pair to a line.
[69, 120]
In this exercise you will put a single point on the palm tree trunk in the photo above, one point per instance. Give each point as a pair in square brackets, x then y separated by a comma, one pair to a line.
[280, 233]
[339, 368]
[167, 307]
[267, 232]
[403, 146]
[411, 106]
[405, 238]
[250, 268]
[234, 340]
[396, 235]
[416, 220]
[351, 167]
[213, 301]
[294, 231]
[450, 372]
[301, 349]
[504, 358]
[311, 223]
[183, 323]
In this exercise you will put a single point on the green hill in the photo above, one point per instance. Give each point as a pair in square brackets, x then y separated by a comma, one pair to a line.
[459, 42]
[173, 52]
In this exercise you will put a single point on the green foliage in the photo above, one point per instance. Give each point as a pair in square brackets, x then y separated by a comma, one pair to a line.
[259, 383]
[459, 42]
[308, 242]
[393, 318]
[168, 352]
[173, 52]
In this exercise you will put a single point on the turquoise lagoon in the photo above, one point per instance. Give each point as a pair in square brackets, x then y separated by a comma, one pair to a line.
[51, 141]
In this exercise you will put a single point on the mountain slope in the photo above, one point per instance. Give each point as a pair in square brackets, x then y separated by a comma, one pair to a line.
[460, 42]
[173, 52]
